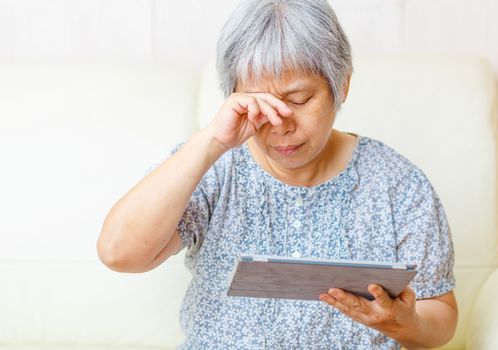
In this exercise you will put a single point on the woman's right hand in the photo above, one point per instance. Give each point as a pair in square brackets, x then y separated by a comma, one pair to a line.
[243, 114]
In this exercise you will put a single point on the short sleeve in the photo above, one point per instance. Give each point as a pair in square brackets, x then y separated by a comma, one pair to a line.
[151, 168]
[423, 235]
[194, 222]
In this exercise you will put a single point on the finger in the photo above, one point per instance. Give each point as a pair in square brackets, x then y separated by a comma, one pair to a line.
[381, 297]
[353, 313]
[269, 111]
[249, 105]
[346, 298]
[256, 117]
[277, 103]
[245, 105]
[345, 309]
[408, 296]
[253, 110]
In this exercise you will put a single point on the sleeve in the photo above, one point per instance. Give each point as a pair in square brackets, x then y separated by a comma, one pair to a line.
[423, 235]
[194, 222]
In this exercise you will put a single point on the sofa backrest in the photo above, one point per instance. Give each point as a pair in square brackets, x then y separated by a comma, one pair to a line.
[441, 113]
[73, 140]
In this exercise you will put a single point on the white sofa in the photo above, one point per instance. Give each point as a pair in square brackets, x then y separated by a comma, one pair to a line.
[75, 138]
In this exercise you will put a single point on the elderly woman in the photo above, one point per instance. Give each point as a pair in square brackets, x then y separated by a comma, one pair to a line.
[270, 175]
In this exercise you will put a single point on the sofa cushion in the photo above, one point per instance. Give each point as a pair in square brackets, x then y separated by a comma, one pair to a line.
[73, 140]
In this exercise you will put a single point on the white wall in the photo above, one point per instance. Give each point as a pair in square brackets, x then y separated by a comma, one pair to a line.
[186, 30]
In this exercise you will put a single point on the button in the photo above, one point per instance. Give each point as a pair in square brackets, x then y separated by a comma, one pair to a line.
[297, 224]
[296, 254]
[299, 202]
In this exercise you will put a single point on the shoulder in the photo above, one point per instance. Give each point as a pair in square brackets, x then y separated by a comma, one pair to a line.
[379, 161]
[411, 195]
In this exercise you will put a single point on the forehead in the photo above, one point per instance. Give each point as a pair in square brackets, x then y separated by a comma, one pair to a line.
[289, 81]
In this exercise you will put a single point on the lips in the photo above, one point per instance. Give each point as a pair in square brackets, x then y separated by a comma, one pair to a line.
[287, 149]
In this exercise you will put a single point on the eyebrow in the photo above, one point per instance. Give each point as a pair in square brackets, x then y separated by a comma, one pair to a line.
[295, 89]
[290, 91]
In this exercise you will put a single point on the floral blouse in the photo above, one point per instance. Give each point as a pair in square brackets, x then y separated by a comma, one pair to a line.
[381, 207]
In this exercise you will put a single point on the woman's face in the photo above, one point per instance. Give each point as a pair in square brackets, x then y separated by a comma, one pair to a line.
[303, 136]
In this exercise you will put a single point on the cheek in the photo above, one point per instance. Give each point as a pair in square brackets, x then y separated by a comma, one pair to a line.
[315, 122]
[261, 137]
[323, 117]
[263, 132]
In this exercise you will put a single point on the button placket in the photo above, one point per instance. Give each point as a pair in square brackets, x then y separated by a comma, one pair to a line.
[296, 223]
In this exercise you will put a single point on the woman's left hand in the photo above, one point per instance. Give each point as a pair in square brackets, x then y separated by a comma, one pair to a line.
[391, 316]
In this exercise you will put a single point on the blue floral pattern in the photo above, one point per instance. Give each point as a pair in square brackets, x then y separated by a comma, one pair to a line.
[381, 207]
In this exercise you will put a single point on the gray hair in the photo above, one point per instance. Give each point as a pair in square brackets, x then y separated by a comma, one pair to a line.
[270, 36]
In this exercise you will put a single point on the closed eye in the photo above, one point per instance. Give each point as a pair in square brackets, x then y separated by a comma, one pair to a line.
[300, 102]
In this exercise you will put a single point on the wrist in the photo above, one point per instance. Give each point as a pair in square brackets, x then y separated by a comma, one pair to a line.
[408, 335]
[214, 148]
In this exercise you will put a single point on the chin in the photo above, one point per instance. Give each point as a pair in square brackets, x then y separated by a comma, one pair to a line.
[289, 162]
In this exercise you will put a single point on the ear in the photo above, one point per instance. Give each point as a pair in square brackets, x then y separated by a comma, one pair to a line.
[345, 87]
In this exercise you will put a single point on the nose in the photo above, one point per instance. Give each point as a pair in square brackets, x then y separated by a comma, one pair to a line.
[287, 127]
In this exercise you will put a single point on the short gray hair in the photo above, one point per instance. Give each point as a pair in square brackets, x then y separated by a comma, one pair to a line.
[270, 36]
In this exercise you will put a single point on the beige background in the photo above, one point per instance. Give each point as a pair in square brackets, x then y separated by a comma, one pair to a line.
[186, 31]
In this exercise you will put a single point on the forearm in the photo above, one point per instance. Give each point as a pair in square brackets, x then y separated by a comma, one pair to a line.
[434, 326]
[143, 221]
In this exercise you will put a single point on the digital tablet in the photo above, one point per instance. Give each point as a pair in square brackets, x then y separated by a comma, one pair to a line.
[306, 278]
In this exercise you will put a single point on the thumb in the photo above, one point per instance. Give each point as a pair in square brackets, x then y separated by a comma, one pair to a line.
[408, 295]
[381, 297]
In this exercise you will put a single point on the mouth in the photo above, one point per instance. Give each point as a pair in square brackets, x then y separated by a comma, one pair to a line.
[288, 149]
